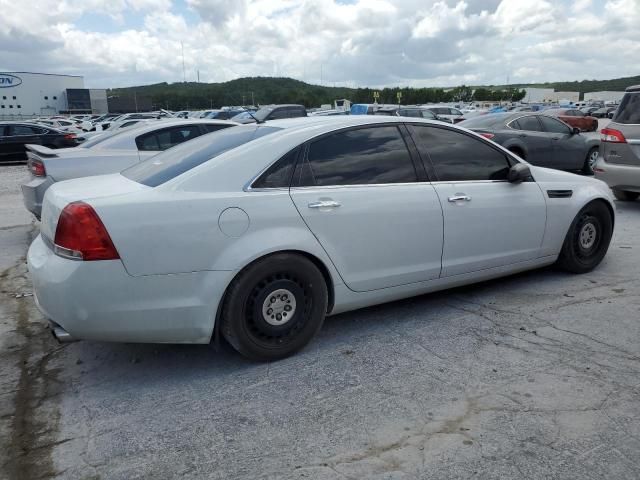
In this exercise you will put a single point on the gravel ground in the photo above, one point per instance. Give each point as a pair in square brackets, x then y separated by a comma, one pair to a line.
[532, 376]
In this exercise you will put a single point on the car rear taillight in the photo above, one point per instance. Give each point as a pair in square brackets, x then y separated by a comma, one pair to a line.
[37, 169]
[70, 136]
[487, 135]
[612, 136]
[81, 235]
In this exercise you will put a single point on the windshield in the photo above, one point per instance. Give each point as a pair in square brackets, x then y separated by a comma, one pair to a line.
[177, 160]
[263, 113]
[629, 110]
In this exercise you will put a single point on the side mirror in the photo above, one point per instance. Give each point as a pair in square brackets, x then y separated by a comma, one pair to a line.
[575, 131]
[520, 172]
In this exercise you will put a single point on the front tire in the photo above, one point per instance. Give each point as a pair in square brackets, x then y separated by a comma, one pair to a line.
[625, 196]
[274, 307]
[587, 240]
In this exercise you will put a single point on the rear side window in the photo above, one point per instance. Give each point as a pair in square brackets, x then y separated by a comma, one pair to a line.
[167, 138]
[168, 165]
[279, 174]
[529, 123]
[373, 155]
[25, 130]
[456, 156]
[554, 126]
[629, 110]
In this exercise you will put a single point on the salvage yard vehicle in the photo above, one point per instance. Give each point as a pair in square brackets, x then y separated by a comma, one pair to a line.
[574, 118]
[540, 139]
[271, 112]
[619, 160]
[14, 136]
[108, 154]
[322, 215]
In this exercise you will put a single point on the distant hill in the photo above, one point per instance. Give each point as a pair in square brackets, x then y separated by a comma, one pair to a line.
[266, 90]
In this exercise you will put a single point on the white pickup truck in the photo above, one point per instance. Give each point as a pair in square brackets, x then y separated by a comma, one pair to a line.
[108, 153]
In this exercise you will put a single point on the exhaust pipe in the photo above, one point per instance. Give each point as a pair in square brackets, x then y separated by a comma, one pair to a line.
[61, 334]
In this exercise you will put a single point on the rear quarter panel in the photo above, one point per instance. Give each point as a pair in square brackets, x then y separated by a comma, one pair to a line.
[89, 164]
[168, 232]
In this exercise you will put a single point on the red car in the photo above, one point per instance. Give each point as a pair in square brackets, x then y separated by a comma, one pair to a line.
[574, 118]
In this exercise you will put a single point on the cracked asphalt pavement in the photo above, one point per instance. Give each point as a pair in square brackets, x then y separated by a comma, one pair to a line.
[531, 376]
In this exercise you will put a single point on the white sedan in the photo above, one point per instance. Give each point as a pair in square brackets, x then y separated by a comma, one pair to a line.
[107, 153]
[258, 232]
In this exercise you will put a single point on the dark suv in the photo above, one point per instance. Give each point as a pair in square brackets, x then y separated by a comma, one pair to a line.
[15, 135]
[619, 160]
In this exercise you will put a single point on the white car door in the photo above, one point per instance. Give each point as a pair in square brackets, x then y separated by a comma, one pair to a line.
[374, 213]
[488, 222]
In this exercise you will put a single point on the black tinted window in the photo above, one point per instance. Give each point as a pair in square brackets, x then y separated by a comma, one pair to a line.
[278, 114]
[167, 165]
[279, 174]
[167, 138]
[529, 123]
[357, 157]
[554, 126]
[629, 109]
[457, 157]
[25, 130]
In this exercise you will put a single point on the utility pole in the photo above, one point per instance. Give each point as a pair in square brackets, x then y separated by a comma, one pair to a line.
[135, 100]
[253, 102]
[198, 75]
[321, 74]
[184, 76]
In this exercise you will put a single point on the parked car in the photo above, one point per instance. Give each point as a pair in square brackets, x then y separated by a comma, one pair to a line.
[601, 112]
[410, 111]
[271, 112]
[619, 160]
[540, 139]
[324, 215]
[106, 155]
[222, 114]
[574, 118]
[450, 113]
[14, 136]
[589, 110]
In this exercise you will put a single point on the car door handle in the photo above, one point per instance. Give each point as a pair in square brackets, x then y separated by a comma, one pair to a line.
[459, 197]
[324, 204]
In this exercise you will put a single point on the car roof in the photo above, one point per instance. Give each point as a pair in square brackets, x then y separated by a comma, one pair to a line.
[633, 88]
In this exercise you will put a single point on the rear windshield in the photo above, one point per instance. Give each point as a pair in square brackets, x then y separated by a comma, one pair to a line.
[173, 162]
[629, 109]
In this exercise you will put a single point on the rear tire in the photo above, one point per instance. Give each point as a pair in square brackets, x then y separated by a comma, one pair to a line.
[625, 196]
[590, 161]
[274, 307]
[587, 240]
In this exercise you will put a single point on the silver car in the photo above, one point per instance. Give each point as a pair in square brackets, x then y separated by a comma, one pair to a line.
[619, 161]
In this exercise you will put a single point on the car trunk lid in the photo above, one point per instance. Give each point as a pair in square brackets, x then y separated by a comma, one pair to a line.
[61, 194]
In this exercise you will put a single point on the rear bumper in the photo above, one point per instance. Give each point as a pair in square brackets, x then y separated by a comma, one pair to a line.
[619, 177]
[33, 193]
[101, 301]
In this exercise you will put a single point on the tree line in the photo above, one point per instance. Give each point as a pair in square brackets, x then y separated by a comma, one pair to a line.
[267, 90]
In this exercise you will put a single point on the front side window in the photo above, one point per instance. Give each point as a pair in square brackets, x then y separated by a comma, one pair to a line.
[529, 123]
[458, 157]
[363, 156]
[552, 125]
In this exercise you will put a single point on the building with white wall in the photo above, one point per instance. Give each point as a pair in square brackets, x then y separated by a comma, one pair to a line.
[605, 96]
[29, 93]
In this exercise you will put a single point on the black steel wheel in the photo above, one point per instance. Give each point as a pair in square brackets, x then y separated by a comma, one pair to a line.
[274, 307]
[588, 239]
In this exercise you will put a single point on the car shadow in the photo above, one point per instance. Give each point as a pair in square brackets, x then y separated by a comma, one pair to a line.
[117, 363]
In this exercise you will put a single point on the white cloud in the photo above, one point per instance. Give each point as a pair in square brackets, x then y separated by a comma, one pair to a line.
[363, 42]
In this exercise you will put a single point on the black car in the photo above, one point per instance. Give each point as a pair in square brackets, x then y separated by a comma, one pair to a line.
[540, 139]
[409, 111]
[15, 135]
[274, 112]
